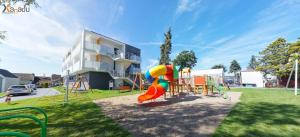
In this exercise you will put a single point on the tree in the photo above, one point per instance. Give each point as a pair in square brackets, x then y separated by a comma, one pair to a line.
[185, 59]
[253, 63]
[27, 2]
[235, 68]
[2, 35]
[294, 47]
[273, 58]
[218, 66]
[165, 49]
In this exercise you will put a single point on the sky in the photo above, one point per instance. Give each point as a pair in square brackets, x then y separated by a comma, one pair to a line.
[217, 31]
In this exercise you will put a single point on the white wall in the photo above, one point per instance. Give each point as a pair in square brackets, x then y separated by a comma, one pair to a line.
[6, 82]
[209, 72]
[253, 77]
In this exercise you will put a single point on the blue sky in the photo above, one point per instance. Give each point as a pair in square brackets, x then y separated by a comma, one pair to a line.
[218, 31]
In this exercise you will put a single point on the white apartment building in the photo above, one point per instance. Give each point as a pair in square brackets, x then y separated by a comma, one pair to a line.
[101, 59]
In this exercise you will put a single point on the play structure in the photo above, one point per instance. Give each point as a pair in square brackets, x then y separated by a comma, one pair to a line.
[185, 80]
[81, 81]
[166, 78]
[160, 76]
[20, 114]
[207, 83]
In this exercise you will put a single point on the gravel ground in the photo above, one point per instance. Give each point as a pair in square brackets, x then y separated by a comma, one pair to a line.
[183, 116]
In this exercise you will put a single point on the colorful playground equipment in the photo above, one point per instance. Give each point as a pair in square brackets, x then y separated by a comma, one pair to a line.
[166, 78]
[42, 124]
[160, 76]
[185, 80]
[207, 83]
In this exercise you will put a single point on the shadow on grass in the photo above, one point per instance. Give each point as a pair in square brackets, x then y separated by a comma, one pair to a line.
[268, 116]
[74, 119]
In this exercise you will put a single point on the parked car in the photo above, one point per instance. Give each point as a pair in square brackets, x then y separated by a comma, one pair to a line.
[19, 89]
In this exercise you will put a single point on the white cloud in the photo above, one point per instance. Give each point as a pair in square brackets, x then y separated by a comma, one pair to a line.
[187, 6]
[276, 21]
[117, 10]
[221, 41]
[152, 63]
[44, 34]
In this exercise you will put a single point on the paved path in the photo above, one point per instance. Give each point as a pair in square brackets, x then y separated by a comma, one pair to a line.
[40, 92]
[184, 116]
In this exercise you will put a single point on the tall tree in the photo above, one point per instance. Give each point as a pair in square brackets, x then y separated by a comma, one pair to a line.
[166, 48]
[294, 47]
[273, 58]
[218, 66]
[253, 63]
[185, 59]
[235, 68]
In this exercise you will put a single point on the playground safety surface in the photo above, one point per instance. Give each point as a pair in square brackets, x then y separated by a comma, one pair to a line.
[186, 115]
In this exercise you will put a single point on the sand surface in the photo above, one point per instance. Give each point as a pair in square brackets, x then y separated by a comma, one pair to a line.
[183, 116]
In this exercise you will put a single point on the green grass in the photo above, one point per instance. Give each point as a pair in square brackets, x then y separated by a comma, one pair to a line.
[80, 117]
[2, 94]
[263, 112]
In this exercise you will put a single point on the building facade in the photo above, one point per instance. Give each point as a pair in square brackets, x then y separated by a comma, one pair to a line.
[100, 59]
[7, 79]
[25, 78]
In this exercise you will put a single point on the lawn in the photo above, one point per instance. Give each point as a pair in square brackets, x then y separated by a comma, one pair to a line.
[2, 94]
[80, 117]
[263, 112]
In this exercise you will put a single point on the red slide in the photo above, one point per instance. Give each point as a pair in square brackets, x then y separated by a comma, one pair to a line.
[153, 92]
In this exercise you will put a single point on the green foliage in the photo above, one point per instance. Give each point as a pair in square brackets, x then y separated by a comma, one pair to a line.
[218, 66]
[294, 47]
[234, 67]
[273, 58]
[185, 59]
[166, 48]
[253, 63]
[46, 85]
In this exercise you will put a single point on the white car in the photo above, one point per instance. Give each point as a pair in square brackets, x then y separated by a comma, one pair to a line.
[19, 89]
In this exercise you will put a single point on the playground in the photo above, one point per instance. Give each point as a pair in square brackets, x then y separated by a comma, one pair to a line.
[178, 116]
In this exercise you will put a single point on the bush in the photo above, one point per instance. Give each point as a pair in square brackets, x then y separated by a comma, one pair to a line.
[46, 85]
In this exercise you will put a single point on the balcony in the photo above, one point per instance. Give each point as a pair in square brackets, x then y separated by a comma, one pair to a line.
[134, 70]
[91, 65]
[133, 58]
[91, 46]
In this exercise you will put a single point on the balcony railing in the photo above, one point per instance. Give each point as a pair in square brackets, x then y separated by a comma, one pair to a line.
[134, 70]
[133, 57]
[92, 64]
